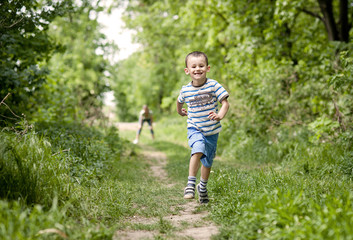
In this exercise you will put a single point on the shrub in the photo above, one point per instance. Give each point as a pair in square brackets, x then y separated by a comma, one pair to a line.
[37, 166]
[28, 169]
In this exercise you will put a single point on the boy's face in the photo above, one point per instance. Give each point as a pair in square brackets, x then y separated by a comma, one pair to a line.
[197, 68]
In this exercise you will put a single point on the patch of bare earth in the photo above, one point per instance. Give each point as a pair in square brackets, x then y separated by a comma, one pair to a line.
[196, 225]
[125, 126]
[193, 222]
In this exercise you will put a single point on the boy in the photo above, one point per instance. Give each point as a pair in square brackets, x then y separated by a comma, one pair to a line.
[201, 96]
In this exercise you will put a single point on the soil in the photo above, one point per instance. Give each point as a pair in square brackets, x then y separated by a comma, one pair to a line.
[191, 220]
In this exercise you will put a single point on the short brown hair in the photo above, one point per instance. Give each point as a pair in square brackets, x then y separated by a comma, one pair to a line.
[196, 54]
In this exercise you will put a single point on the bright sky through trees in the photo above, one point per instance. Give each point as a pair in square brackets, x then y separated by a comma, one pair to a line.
[115, 31]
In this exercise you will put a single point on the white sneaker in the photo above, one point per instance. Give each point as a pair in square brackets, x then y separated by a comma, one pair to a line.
[189, 192]
[135, 141]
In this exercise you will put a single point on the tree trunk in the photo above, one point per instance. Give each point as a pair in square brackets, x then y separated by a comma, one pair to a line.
[344, 29]
[329, 20]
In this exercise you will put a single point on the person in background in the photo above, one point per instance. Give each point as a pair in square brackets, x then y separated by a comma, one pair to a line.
[144, 116]
[202, 97]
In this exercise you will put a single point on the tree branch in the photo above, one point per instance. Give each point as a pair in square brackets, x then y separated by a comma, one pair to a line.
[3, 102]
[4, 98]
[312, 14]
[218, 13]
[15, 23]
[339, 116]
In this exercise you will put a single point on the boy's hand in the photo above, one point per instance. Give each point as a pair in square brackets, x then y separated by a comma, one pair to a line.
[222, 112]
[183, 112]
[214, 116]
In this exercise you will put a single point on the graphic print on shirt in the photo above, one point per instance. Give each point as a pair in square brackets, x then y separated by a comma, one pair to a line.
[201, 100]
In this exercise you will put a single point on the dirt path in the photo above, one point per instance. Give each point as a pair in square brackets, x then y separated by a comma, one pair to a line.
[191, 221]
[125, 126]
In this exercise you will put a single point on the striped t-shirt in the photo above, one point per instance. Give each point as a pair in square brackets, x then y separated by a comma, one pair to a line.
[200, 101]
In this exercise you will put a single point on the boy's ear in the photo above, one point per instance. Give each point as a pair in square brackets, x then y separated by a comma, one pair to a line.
[208, 68]
[186, 71]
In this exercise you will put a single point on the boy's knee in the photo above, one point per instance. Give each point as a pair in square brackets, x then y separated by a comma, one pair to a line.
[198, 155]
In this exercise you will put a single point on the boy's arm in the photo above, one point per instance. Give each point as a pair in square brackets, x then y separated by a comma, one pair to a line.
[180, 109]
[222, 112]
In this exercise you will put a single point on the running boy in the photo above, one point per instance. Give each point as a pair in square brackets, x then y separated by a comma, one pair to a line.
[201, 96]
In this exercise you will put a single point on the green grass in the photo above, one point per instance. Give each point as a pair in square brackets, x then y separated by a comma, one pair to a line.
[290, 189]
[304, 195]
[84, 182]
[277, 204]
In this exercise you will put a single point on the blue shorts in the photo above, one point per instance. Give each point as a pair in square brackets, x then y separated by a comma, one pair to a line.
[204, 144]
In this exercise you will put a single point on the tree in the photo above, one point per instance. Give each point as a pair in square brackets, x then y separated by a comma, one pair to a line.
[79, 73]
[273, 56]
[25, 46]
[337, 28]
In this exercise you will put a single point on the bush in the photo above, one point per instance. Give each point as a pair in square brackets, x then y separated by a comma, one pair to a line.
[304, 194]
[37, 166]
[28, 169]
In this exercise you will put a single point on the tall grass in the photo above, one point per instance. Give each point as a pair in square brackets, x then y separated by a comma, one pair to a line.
[50, 162]
[60, 164]
[78, 181]
[28, 169]
[275, 185]
[265, 186]
[305, 193]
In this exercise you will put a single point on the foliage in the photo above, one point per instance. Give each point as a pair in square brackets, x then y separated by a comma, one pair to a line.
[306, 196]
[26, 169]
[36, 223]
[291, 188]
[79, 74]
[263, 52]
[38, 166]
[53, 64]
[25, 44]
[284, 189]
[130, 97]
[76, 183]
[286, 170]
[53, 173]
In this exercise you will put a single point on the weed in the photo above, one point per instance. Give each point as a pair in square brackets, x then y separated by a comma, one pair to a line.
[164, 226]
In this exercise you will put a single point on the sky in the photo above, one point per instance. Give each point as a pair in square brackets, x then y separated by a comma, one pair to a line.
[115, 31]
[113, 28]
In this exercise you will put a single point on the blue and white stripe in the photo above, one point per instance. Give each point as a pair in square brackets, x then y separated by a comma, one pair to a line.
[201, 101]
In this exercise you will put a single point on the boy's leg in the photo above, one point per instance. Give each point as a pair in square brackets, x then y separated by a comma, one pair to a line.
[205, 172]
[202, 186]
[189, 191]
[194, 164]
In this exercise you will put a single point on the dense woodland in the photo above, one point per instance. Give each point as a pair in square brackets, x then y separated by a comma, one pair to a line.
[287, 64]
[284, 62]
